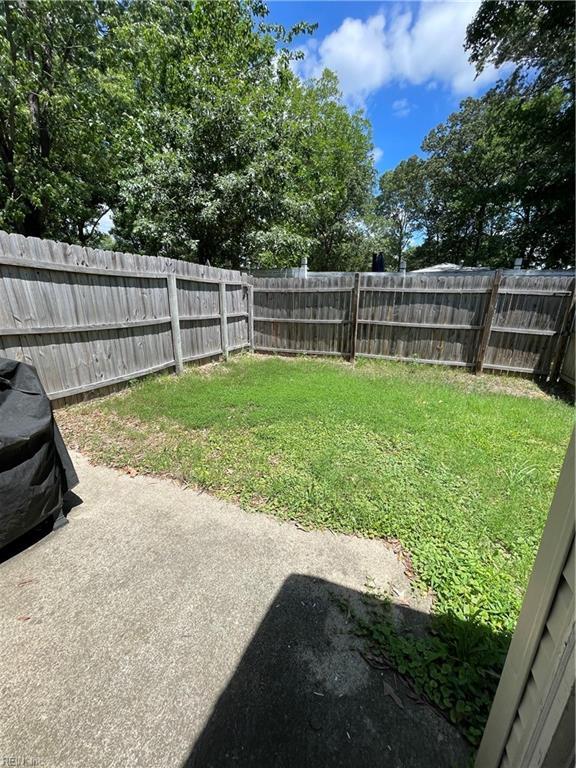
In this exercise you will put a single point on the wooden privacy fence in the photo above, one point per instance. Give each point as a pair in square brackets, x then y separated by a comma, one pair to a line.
[87, 318]
[503, 320]
[567, 372]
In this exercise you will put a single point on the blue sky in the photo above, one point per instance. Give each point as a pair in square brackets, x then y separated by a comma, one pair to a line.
[403, 62]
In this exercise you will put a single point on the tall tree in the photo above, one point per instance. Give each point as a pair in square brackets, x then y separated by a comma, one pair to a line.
[401, 203]
[537, 38]
[498, 187]
[332, 173]
[467, 170]
[56, 116]
[499, 172]
[242, 163]
[204, 177]
[184, 117]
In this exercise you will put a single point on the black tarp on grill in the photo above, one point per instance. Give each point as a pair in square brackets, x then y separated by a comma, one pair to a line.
[35, 467]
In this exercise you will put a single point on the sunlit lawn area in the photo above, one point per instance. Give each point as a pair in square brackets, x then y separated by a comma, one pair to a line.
[460, 469]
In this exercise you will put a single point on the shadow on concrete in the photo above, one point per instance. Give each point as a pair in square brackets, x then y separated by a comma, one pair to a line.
[305, 695]
[39, 532]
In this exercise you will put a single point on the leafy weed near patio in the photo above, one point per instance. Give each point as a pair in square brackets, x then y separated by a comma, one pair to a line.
[460, 469]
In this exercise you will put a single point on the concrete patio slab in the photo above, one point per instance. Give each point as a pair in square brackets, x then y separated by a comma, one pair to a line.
[164, 627]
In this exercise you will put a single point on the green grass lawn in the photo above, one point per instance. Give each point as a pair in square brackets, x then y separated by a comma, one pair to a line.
[460, 469]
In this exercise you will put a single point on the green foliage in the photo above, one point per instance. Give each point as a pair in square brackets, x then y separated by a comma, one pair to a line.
[457, 470]
[500, 188]
[402, 203]
[106, 242]
[537, 36]
[537, 121]
[184, 118]
[56, 117]
[247, 164]
[207, 181]
[330, 191]
[497, 180]
[455, 666]
[496, 184]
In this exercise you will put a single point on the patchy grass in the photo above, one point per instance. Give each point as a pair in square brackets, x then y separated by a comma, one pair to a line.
[460, 469]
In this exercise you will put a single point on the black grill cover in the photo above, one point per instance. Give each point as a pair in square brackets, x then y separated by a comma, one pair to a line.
[35, 467]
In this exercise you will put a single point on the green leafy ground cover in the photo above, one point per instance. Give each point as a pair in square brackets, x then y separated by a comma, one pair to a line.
[460, 469]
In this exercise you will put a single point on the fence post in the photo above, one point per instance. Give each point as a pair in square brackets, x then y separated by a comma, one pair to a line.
[354, 304]
[562, 341]
[487, 323]
[223, 320]
[250, 317]
[175, 321]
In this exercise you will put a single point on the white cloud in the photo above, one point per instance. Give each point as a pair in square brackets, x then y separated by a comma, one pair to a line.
[419, 48]
[401, 108]
[377, 154]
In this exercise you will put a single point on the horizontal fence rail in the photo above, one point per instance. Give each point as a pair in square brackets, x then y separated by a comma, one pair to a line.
[87, 318]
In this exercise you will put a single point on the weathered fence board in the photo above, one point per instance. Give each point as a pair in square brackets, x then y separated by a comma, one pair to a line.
[541, 307]
[567, 372]
[87, 318]
[278, 302]
[511, 322]
[566, 363]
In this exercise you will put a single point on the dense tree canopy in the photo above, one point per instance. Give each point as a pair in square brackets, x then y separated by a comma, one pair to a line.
[184, 118]
[332, 175]
[57, 165]
[536, 36]
[210, 173]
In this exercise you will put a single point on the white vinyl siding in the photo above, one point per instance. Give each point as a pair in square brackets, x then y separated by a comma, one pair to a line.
[531, 723]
